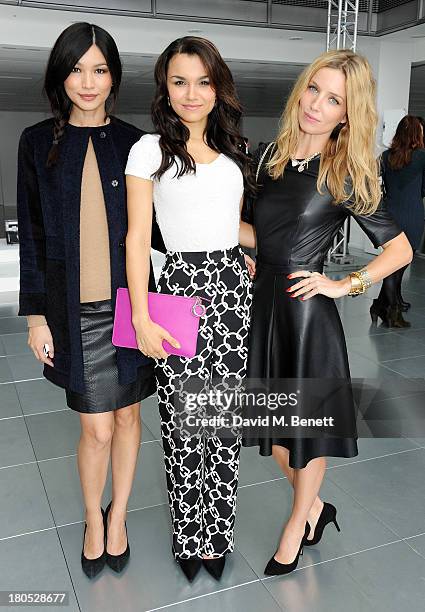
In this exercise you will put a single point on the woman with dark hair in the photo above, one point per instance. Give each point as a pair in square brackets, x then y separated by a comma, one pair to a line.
[194, 169]
[72, 224]
[403, 173]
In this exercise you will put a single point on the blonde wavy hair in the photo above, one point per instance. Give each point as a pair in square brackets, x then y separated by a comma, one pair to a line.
[350, 151]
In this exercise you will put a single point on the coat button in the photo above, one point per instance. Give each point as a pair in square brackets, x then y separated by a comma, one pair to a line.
[114, 183]
[102, 134]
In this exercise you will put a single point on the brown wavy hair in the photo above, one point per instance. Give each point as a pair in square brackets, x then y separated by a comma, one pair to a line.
[348, 166]
[223, 125]
[408, 136]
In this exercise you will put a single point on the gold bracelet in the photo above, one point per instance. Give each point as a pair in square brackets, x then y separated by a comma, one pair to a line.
[366, 278]
[357, 284]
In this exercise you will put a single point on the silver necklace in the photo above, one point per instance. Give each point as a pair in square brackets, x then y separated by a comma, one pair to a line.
[303, 163]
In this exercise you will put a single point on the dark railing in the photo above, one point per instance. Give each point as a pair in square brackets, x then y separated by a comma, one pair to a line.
[388, 15]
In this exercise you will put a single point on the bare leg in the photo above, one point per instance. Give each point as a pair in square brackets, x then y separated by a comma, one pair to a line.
[125, 449]
[307, 482]
[93, 457]
[281, 455]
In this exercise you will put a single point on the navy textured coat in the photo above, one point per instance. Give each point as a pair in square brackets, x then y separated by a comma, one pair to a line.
[49, 234]
[405, 189]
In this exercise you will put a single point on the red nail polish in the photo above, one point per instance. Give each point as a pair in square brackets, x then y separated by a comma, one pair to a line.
[289, 289]
[289, 276]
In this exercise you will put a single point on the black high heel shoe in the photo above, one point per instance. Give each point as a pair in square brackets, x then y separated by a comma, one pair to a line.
[215, 566]
[404, 305]
[328, 515]
[274, 568]
[190, 567]
[92, 567]
[115, 562]
[376, 310]
[395, 317]
[391, 315]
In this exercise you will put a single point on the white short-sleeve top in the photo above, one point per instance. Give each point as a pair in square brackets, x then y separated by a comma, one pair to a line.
[196, 212]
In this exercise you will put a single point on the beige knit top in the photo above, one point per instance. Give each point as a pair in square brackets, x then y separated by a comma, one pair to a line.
[95, 274]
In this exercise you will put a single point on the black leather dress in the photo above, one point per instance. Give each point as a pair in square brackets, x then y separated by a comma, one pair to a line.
[289, 338]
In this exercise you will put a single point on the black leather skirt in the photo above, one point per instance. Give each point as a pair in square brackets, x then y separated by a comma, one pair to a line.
[103, 392]
[302, 341]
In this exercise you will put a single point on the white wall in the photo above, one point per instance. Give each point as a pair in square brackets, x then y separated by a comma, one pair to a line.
[40, 28]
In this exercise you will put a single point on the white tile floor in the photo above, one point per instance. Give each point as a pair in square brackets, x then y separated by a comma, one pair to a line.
[376, 563]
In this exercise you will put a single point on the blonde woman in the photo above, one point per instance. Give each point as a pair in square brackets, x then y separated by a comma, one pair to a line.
[321, 169]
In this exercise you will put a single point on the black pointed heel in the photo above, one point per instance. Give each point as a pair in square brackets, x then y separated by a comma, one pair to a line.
[274, 568]
[328, 515]
[116, 562]
[215, 566]
[395, 317]
[190, 567]
[404, 305]
[92, 567]
[376, 310]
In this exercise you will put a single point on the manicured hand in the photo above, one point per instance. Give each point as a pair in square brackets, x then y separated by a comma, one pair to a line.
[314, 283]
[250, 264]
[150, 337]
[37, 338]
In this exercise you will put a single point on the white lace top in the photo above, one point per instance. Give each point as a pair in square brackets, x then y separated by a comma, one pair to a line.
[197, 212]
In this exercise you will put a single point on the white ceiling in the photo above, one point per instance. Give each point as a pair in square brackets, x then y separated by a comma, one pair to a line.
[262, 86]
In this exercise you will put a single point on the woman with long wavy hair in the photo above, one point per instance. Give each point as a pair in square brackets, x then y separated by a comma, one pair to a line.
[72, 224]
[403, 173]
[321, 169]
[194, 169]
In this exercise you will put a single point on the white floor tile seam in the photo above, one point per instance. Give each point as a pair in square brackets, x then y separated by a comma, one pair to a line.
[384, 361]
[23, 354]
[14, 382]
[32, 414]
[25, 415]
[415, 551]
[383, 365]
[36, 461]
[183, 601]
[349, 337]
[398, 397]
[331, 467]
[406, 450]
[27, 533]
[129, 511]
[254, 484]
[60, 526]
[15, 416]
[15, 465]
[368, 511]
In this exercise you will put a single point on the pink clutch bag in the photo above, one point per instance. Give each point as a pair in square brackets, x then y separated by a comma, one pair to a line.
[177, 314]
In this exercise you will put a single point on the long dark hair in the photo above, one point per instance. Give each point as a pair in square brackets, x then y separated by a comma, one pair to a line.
[71, 45]
[408, 136]
[222, 132]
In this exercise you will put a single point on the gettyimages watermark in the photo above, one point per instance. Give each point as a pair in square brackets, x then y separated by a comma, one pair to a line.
[306, 408]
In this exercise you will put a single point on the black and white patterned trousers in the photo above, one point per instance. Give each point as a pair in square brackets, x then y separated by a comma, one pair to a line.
[202, 469]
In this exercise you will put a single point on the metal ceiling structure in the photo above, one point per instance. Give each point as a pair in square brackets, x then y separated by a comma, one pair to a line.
[375, 17]
[343, 18]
